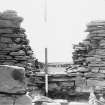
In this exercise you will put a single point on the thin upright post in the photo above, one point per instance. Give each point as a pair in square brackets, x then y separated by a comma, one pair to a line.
[46, 72]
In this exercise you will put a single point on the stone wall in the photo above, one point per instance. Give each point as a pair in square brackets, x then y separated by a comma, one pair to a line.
[89, 56]
[16, 60]
[14, 45]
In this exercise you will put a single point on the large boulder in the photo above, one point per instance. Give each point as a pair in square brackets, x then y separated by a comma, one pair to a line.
[12, 79]
[13, 86]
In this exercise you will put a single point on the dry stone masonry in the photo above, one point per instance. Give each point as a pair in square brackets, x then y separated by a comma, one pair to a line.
[16, 60]
[87, 71]
[89, 56]
[14, 45]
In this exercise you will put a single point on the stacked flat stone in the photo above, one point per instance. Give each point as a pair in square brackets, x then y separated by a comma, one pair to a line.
[14, 45]
[90, 54]
[96, 38]
[79, 54]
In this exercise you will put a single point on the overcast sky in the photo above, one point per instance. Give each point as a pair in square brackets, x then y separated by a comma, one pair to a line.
[65, 26]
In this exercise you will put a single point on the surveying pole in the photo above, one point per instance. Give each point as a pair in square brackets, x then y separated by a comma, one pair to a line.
[46, 73]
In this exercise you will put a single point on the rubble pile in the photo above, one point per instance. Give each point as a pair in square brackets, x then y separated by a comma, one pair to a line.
[14, 45]
[89, 55]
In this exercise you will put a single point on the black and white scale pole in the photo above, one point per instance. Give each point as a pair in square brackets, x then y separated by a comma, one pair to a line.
[46, 73]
